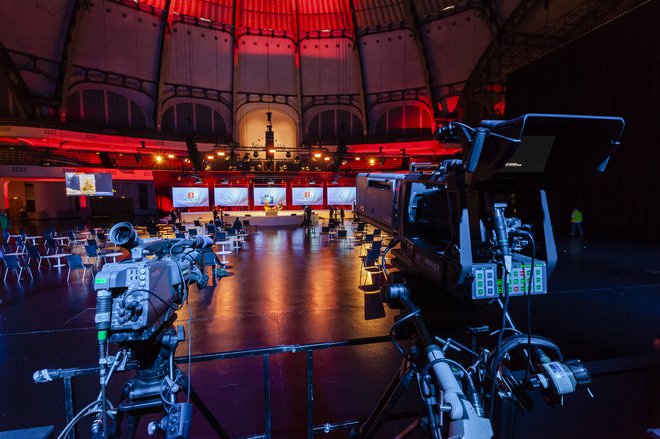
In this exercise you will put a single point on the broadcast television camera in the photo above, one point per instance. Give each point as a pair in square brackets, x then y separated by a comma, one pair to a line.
[136, 298]
[456, 223]
[136, 306]
[478, 228]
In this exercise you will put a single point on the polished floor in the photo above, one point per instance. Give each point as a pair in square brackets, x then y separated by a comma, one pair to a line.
[287, 288]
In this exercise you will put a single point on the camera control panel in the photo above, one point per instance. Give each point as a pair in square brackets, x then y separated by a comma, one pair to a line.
[487, 282]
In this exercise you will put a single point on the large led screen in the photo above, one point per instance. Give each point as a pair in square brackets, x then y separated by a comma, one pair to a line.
[78, 183]
[190, 196]
[341, 195]
[303, 196]
[274, 195]
[231, 196]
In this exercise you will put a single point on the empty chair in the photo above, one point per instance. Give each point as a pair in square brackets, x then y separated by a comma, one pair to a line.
[377, 234]
[93, 243]
[102, 239]
[192, 232]
[20, 244]
[197, 223]
[180, 235]
[75, 263]
[92, 251]
[370, 266]
[12, 263]
[376, 245]
[6, 248]
[209, 259]
[220, 236]
[73, 240]
[33, 252]
[325, 231]
[51, 245]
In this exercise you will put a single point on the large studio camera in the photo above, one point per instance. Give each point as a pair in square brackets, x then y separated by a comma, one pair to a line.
[478, 228]
[135, 298]
[457, 223]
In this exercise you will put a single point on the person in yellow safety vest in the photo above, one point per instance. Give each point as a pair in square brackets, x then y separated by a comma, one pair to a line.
[576, 222]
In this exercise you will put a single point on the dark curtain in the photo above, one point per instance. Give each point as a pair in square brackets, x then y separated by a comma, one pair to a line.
[614, 70]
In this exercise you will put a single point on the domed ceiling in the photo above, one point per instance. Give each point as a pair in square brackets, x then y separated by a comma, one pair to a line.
[351, 69]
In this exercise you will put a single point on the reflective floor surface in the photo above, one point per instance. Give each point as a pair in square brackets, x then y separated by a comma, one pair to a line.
[289, 288]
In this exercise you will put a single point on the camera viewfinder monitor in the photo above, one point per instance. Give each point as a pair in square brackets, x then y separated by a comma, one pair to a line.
[190, 196]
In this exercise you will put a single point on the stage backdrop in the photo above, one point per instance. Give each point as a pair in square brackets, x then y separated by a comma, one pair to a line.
[341, 196]
[304, 196]
[230, 196]
[275, 195]
[190, 196]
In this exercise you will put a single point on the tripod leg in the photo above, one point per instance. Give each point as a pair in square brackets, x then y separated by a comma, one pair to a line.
[199, 403]
[131, 426]
[398, 385]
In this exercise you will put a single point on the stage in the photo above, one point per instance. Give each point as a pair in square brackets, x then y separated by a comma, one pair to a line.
[257, 218]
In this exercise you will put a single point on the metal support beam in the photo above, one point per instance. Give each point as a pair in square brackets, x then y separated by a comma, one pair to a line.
[16, 83]
[163, 58]
[234, 72]
[298, 68]
[495, 28]
[80, 8]
[420, 43]
[358, 52]
[515, 49]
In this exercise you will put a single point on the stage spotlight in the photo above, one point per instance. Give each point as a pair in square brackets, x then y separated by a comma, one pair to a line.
[210, 157]
[372, 162]
[317, 155]
[171, 156]
[159, 159]
[357, 159]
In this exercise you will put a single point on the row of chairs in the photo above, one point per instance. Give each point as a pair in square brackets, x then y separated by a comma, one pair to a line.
[14, 264]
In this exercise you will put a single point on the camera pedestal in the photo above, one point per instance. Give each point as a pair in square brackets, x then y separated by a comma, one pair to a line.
[154, 389]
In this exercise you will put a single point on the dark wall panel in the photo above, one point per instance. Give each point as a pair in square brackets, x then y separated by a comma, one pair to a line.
[614, 70]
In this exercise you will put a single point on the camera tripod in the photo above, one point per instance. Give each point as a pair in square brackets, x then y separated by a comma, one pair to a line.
[154, 389]
[444, 397]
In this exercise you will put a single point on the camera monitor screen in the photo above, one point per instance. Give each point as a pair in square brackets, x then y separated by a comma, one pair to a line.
[274, 195]
[231, 196]
[554, 144]
[78, 183]
[341, 195]
[304, 196]
[190, 196]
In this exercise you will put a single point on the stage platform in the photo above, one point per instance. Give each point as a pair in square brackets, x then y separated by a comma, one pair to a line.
[257, 218]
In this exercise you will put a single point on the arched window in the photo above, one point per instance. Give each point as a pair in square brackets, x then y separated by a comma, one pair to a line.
[332, 124]
[202, 119]
[405, 121]
[104, 108]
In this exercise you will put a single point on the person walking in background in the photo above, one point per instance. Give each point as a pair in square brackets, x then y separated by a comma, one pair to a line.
[576, 222]
[342, 215]
[4, 221]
